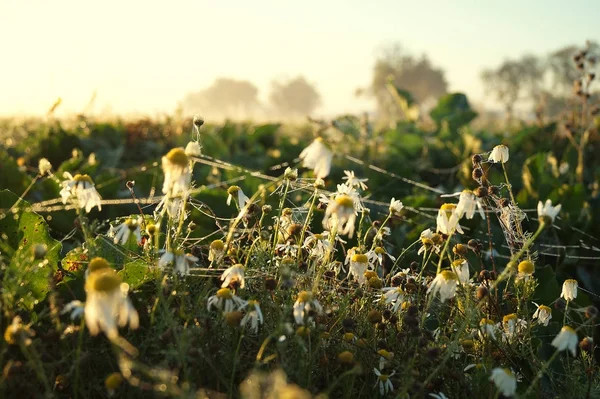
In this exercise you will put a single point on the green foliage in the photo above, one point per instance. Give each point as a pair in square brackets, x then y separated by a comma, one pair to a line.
[26, 278]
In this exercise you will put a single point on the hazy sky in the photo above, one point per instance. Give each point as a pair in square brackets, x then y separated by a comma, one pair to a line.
[144, 56]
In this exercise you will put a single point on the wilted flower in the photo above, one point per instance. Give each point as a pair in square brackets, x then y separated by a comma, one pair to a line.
[226, 301]
[253, 316]
[383, 380]
[566, 339]
[181, 261]
[393, 296]
[468, 203]
[317, 156]
[499, 154]
[504, 380]
[176, 168]
[569, 289]
[354, 181]
[82, 188]
[290, 174]
[512, 326]
[429, 239]
[122, 232]
[447, 220]
[546, 212]
[445, 283]
[543, 314]
[304, 304]
[193, 149]
[385, 357]
[234, 274]
[107, 303]
[341, 213]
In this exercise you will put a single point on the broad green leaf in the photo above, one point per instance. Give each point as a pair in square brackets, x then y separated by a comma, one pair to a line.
[136, 273]
[26, 279]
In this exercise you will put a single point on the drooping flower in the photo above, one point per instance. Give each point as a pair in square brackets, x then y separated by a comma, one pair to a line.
[512, 326]
[303, 305]
[569, 289]
[499, 154]
[176, 167]
[216, 251]
[468, 203]
[505, 381]
[461, 268]
[358, 266]
[253, 316]
[429, 240]
[236, 193]
[487, 328]
[226, 301]
[317, 156]
[122, 232]
[233, 275]
[377, 255]
[445, 283]
[543, 314]
[341, 213]
[546, 212]
[353, 181]
[393, 296]
[566, 339]
[383, 380]
[107, 304]
[80, 188]
[180, 260]
[447, 220]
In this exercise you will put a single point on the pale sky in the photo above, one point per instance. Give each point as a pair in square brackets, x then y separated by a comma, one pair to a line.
[144, 56]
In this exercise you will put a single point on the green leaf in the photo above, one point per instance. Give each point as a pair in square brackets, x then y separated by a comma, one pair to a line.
[454, 109]
[136, 273]
[26, 279]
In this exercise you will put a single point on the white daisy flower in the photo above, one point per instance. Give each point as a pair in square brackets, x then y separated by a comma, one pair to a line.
[487, 328]
[358, 266]
[393, 296]
[525, 270]
[439, 395]
[82, 189]
[226, 301]
[569, 290]
[445, 283]
[396, 206]
[317, 156]
[237, 193]
[499, 154]
[216, 251]
[180, 260]
[233, 274]
[547, 212]
[512, 326]
[566, 339]
[461, 268]
[543, 314]
[505, 381]
[193, 149]
[107, 304]
[253, 316]
[429, 239]
[383, 380]
[376, 255]
[353, 181]
[341, 213]
[468, 203]
[303, 305]
[176, 167]
[447, 220]
[122, 232]
[317, 244]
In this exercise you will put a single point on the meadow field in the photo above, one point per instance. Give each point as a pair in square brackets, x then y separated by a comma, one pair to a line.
[426, 258]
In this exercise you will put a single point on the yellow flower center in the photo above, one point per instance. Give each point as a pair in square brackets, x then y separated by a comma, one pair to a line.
[384, 377]
[303, 331]
[544, 308]
[113, 381]
[379, 251]
[448, 275]
[571, 282]
[224, 293]
[486, 322]
[509, 317]
[217, 245]
[83, 178]
[103, 280]
[177, 156]
[385, 354]
[448, 207]
[252, 302]
[233, 190]
[369, 274]
[97, 264]
[526, 267]
[305, 296]
[346, 357]
[344, 201]
[568, 329]
[348, 337]
[359, 258]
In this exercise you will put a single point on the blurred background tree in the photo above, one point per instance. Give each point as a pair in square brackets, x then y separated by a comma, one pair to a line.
[225, 97]
[415, 75]
[294, 98]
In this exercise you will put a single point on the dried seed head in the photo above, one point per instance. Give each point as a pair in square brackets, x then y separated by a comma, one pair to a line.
[587, 344]
[346, 357]
[348, 324]
[477, 173]
[374, 316]
[476, 159]
[493, 190]
[482, 292]
[504, 202]
[591, 312]
[233, 319]
[460, 250]
[481, 192]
